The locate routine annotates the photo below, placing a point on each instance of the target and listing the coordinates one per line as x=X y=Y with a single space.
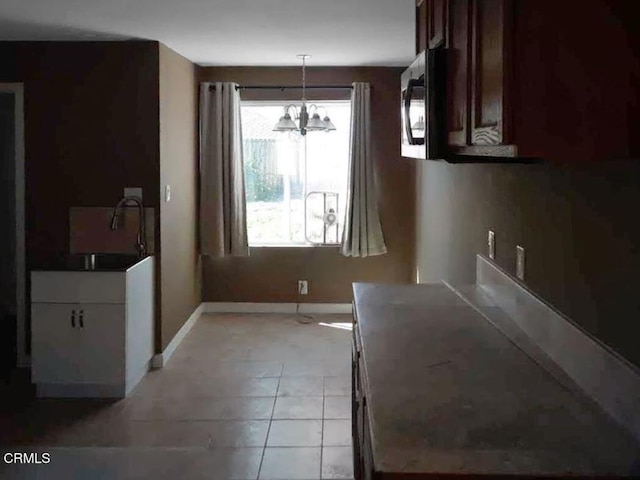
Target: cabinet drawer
x=78 y=287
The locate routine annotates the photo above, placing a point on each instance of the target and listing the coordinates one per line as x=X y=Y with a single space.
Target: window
x=293 y=183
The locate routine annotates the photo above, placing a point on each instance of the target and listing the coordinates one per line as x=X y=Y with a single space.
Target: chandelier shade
x=328 y=124
x=315 y=123
x=285 y=124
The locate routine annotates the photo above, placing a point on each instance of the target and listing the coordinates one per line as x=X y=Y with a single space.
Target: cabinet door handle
x=81 y=318
x=73 y=319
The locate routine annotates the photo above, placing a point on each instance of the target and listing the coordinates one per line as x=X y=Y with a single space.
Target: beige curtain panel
x=223 y=226
x=362 y=235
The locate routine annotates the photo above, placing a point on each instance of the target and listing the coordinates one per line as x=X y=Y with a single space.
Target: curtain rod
x=289 y=87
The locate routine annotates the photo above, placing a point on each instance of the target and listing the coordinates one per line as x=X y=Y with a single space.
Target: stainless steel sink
x=100 y=262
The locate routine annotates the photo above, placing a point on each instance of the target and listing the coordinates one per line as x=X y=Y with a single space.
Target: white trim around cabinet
x=249 y=307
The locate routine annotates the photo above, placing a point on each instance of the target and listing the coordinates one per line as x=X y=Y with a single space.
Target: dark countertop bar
x=103 y=262
x=448 y=393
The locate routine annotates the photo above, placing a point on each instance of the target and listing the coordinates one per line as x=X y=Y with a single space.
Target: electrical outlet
x=491 y=241
x=303 y=287
x=520 y=262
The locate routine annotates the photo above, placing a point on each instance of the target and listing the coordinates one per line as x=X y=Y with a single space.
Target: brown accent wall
x=180 y=261
x=91 y=128
x=579 y=227
x=271 y=274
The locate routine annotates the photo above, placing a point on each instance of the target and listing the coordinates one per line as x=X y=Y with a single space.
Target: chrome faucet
x=141 y=245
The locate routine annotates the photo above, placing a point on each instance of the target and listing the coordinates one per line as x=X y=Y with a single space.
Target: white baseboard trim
x=159 y=360
x=248 y=307
x=333 y=308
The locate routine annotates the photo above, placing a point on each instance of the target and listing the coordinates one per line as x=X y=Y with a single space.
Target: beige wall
x=179 y=263
x=578 y=225
x=271 y=274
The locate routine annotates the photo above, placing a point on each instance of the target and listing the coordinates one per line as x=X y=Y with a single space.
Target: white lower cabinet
x=103 y=340
x=88 y=348
x=78 y=342
x=54 y=343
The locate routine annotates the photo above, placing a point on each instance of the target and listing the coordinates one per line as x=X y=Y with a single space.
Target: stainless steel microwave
x=423 y=106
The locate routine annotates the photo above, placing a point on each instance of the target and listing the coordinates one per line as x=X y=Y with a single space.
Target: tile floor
x=243 y=397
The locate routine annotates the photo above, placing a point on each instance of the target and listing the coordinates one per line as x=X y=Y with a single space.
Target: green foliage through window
x=262 y=182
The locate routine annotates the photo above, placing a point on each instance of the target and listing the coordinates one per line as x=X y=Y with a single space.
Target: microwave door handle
x=407 y=105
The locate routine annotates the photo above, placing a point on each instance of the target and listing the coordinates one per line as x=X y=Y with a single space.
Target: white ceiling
x=230 y=32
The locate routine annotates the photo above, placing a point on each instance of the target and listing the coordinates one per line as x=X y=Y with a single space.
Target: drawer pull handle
x=81 y=318
x=73 y=319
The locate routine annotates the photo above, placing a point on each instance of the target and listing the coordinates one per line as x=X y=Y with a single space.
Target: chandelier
x=302 y=122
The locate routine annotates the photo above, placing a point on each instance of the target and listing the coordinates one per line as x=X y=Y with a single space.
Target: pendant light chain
x=304 y=95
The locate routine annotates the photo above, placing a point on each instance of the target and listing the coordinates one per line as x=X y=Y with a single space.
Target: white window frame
x=282 y=104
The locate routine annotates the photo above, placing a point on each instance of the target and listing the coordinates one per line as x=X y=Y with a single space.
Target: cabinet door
x=421 y=25
x=102 y=345
x=436 y=22
x=491 y=22
x=360 y=428
x=368 y=472
x=54 y=343
x=355 y=412
x=458 y=72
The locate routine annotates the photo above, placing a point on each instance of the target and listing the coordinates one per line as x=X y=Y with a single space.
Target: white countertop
x=447 y=392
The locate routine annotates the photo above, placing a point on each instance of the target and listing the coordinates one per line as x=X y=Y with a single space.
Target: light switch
x=167 y=193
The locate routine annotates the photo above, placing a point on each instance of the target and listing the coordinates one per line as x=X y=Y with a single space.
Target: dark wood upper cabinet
x=459 y=94
x=489 y=72
x=576 y=85
x=437 y=22
x=478 y=35
x=421 y=25
x=527 y=79
x=431 y=24
x=484 y=27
